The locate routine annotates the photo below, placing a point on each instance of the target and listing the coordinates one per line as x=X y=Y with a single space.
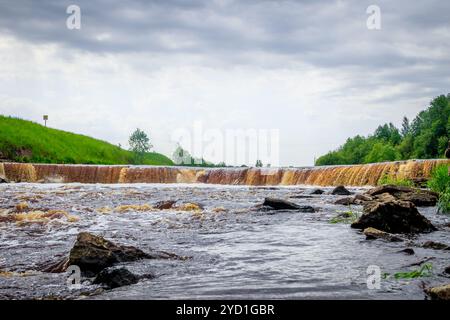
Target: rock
x=4 y=180
x=384 y=197
x=280 y=204
x=93 y=253
x=340 y=190
x=317 y=191
x=447 y=270
x=440 y=292
x=419 y=197
x=408 y=251
x=345 y=201
x=164 y=205
x=372 y=233
x=362 y=198
x=393 y=217
x=114 y=278
x=435 y=245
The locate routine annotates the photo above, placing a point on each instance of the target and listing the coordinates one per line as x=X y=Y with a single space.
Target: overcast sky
x=310 y=69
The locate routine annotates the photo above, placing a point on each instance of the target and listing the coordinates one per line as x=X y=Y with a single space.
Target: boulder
x=419 y=197
x=93 y=253
x=440 y=292
x=114 y=278
x=357 y=199
x=345 y=201
x=372 y=233
x=317 y=191
x=393 y=216
x=447 y=270
x=280 y=204
x=341 y=190
x=3 y=180
x=435 y=245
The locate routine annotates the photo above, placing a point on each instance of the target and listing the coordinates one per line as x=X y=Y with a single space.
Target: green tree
x=406 y=127
x=382 y=152
x=139 y=144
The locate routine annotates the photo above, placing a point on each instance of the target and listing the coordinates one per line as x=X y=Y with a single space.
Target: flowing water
x=236 y=251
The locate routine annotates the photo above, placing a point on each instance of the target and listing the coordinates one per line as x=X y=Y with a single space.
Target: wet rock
x=93 y=253
x=440 y=292
x=280 y=204
x=164 y=205
x=3 y=180
x=114 y=278
x=435 y=245
x=393 y=217
x=317 y=191
x=447 y=270
x=372 y=233
x=419 y=197
x=408 y=251
x=341 y=190
x=345 y=201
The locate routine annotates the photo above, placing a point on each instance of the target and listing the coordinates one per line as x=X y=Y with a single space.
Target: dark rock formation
x=114 y=278
x=408 y=251
x=419 y=197
x=372 y=233
x=317 y=191
x=393 y=216
x=280 y=204
x=447 y=270
x=341 y=190
x=93 y=253
x=3 y=180
x=435 y=245
x=164 y=205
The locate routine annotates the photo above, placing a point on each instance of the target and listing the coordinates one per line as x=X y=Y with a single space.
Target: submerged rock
x=341 y=190
x=93 y=253
x=440 y=292
x=280 y=204
x=447 y=270
x=419 y=197
x=408 y=251
x=317 y=191
x=372 y=233
x=164 y=205
x=393 y=216
x=435 y=245
x=114 y=278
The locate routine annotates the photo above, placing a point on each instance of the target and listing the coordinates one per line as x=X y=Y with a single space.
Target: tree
x=406 y=127
x=139 y=144
x=258 y=163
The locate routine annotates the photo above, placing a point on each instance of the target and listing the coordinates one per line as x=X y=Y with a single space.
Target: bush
x=440 y=180
x=386 y=179
x=444 y=202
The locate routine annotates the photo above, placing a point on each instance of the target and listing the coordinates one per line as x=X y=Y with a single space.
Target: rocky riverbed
x=230 y=242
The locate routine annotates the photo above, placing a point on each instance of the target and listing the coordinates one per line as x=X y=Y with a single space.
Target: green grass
x=440 y=183
x=348 y=216
x=424 y=271
x=386 y=179
x=26 y=141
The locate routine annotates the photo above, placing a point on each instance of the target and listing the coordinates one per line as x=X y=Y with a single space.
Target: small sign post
x=45 y=117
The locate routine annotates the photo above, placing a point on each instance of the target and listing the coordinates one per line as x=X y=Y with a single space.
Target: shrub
x=386 y=179
x=440 y=179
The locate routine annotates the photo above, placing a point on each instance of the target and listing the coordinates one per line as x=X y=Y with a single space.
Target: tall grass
x=440 y=182
x=26 y=141
x=386 y=179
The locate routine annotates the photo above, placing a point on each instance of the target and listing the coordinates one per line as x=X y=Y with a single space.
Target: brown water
x=349 y=175
x=237 y=252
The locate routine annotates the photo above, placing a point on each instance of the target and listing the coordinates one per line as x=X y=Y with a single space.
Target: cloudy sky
x=310 y=69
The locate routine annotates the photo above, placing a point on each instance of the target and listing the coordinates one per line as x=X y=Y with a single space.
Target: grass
x=440 y=183
x=26 y=141
x=424 y=271
x=386 y=179
x=348 y=216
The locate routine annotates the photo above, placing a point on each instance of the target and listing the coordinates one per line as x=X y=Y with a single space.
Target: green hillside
x=426 y=137
x=26 y=141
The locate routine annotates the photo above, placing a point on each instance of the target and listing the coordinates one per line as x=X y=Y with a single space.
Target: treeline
x=425 y=137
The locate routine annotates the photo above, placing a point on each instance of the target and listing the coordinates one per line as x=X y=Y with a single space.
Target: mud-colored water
x=236 y=252
x=349 y=175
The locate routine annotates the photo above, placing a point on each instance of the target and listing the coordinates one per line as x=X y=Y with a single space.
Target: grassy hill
x=26 y=141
